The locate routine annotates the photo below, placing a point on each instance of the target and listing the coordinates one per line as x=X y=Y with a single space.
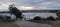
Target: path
x=30 y=24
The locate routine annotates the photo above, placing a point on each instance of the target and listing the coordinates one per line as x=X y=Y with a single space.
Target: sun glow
x=26 y=8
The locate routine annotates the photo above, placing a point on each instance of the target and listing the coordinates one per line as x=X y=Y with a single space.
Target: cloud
x=25 y=8
x=42 y=5
x=36 y=4
x=4 y=6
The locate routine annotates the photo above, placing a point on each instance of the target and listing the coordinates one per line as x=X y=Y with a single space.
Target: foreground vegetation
x=55 y=22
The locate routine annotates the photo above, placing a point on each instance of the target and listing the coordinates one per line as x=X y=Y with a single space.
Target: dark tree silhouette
x=1 y=17
x=50 y=18
x=15 y=11
x=58 y=14
x=37 y=18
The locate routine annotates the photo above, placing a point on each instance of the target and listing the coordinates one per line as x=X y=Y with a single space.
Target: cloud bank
x=31 y=4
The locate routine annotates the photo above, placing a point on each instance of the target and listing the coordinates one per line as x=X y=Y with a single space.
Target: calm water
x=32 y=15
x=43 y=15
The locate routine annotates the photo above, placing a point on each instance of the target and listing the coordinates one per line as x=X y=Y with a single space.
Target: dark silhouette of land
x=24 y=11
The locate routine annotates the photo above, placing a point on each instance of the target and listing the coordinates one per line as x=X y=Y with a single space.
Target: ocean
x=32 y=15
x=42 y=15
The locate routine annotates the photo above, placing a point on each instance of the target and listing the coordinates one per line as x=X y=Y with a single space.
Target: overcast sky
x=31 y=4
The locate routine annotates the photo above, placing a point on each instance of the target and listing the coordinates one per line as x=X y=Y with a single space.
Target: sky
x=31 y=4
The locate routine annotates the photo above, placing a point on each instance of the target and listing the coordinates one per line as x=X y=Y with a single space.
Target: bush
x=50 y=18
x=37 y=18
x=57 y=18
x=1 y=17
x=43 y=18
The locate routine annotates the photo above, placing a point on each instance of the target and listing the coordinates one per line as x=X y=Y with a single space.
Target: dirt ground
x=25 y=23
x=22 y=23
x=7 y=24
x=52 y=23
x=55 y=23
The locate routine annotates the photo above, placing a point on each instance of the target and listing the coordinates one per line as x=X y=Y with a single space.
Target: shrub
x=50 y=18
x=44 y=18
x=1 y=17
x=37 y=18
x=58 y=18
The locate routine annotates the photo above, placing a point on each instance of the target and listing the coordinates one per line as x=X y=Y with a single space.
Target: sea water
x=42 y=15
